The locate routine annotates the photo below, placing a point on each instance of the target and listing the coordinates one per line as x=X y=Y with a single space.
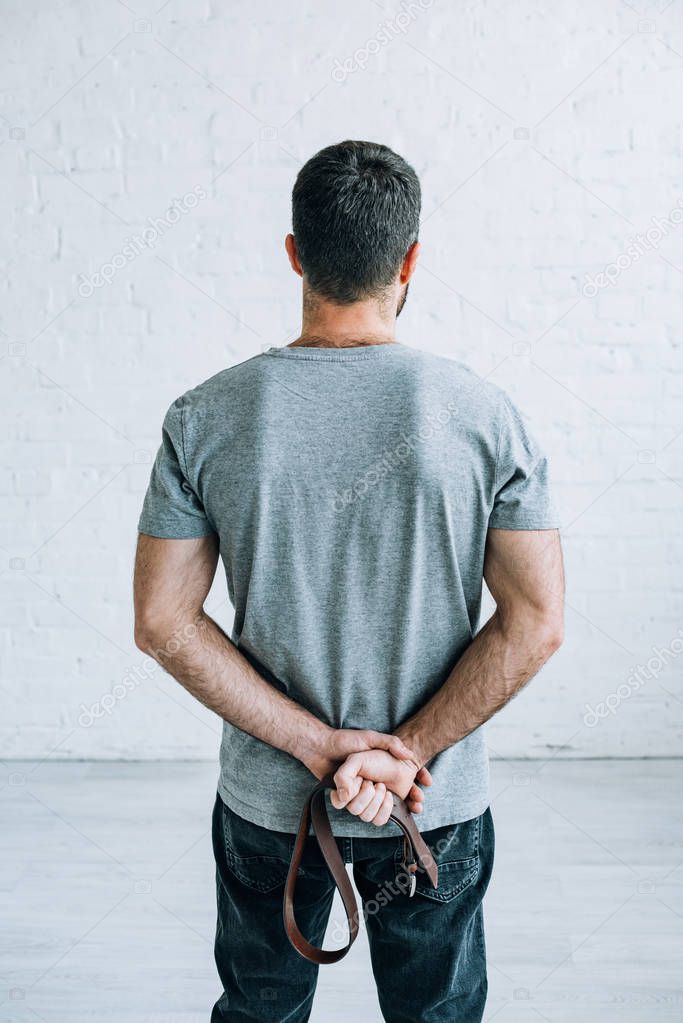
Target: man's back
x=358 y=492
x=351 y=490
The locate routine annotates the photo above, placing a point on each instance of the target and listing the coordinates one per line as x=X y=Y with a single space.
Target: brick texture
x=147 y=158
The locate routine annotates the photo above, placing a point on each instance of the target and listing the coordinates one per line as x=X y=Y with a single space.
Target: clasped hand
x=365 y=783
x=375 y=766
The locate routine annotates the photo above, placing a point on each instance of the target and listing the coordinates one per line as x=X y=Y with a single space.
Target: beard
x=402 y=301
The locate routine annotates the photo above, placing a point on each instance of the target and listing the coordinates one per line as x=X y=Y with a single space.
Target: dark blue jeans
x=428 y=954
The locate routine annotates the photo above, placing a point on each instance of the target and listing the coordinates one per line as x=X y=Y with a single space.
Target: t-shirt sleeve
x=522 y=498
x=172 y=509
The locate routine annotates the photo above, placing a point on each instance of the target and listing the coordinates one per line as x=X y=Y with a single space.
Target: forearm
x=499 y=662
x=200 y=656
x=172 y=581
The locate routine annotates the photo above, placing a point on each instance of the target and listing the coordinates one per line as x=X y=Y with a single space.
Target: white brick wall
x=546 y=136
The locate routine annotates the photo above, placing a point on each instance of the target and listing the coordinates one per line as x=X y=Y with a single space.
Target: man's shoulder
x=233 y=389
x=232 y=383
x=460 y=380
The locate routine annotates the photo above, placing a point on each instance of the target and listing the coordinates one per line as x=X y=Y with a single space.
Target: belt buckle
x=410 y=868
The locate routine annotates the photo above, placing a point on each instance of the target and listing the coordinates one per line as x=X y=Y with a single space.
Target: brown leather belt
x=416 y=853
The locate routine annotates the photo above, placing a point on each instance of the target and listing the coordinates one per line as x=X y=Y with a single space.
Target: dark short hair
x=355 y=214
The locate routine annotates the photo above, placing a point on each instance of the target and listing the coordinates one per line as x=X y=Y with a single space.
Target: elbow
x=551 y=634
x=161 y=635
x=151 y=634
x=144 y=637
x=538 y=631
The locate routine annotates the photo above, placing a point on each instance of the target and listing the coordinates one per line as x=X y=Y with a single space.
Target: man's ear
x=409 y=263
x=290 y=246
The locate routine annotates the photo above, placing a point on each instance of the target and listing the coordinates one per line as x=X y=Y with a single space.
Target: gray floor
x=106 y=879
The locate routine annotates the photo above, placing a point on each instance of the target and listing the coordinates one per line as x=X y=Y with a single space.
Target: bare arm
x=523 y=570
x=172 y=580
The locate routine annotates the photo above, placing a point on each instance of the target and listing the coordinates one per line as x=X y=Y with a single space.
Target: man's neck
x=327 y=325
x=343 y=341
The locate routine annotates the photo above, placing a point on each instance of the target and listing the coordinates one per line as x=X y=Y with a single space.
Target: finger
x=351 y=789
x=339 y=797
x=399 y=749
x=373 y=806
x=384 y=812
x=416 y=795
x=347 y=781
x=415 y=807
x=391 y=743
x=362 y=800
x=423 y=777
x=336 y=801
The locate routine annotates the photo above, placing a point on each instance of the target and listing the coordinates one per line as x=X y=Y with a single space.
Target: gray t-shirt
x=351 y=491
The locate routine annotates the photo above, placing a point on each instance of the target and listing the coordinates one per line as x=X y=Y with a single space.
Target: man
x=358 y=492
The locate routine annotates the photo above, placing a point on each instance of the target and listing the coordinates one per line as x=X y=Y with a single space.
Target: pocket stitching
x=471 y=865
x=239 y=864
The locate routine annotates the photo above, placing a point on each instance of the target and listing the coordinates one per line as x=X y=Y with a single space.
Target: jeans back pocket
x=257 y=857
x=455 y=849
x=455 y=876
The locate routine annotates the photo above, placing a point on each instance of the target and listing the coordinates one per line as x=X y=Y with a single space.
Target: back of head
x=355 y=212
